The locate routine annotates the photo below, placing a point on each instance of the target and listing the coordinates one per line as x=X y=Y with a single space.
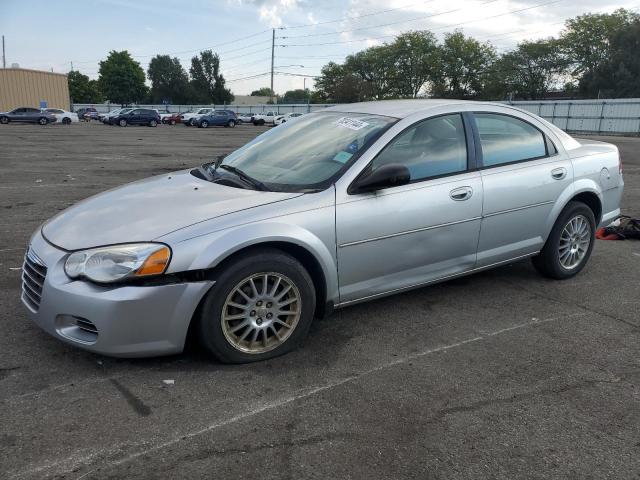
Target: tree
x=263 y=92
x=296 y=96
x=338 y=84
x=464 y=70
x=121 y=78
x=528 y=72
x=169 y=81
x=587 y=42
x=207 y=80
x=83 y=90
x=416 y=58
x=375 y=68
x=618 y=75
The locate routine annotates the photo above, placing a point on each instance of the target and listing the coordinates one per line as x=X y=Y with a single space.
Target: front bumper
x=121 y=321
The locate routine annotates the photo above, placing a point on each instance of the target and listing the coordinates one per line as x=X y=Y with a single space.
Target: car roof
x=402 y=108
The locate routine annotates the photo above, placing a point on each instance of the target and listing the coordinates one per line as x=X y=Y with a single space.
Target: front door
x=412 y=234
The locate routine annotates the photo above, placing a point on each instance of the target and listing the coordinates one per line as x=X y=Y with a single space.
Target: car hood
x=149 y=208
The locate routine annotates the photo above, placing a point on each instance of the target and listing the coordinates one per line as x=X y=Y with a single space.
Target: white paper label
x=352 y=123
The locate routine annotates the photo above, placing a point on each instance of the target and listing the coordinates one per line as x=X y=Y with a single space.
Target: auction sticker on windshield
x=352 y=123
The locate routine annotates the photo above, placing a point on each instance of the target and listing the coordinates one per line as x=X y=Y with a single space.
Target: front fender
x=579 y=186
x=213 y=248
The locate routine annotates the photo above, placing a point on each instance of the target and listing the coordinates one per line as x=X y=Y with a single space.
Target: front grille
x=33 y=273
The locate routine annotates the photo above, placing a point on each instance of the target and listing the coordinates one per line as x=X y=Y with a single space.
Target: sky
x=51 y=34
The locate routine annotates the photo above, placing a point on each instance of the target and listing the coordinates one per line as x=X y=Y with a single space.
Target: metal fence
x=612 y=116
x=283 y=108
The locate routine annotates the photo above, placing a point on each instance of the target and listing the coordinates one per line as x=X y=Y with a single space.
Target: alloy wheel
x=575 y=239
x=261 y=312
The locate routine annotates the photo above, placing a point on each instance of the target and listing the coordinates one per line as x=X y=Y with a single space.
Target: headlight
x=119 y=262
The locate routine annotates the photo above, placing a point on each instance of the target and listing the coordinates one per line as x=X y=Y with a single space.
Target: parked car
x=244 y=253
x=62 y=116
x=108 y=118
x=88 y=114
x=265 y=117
x=245 y=117
x=137 y=116
x=220 y=118
x=173 y=119
x=280 y=119
x=27 y=115
x=188 y=118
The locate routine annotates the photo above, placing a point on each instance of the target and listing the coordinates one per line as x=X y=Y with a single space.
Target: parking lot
x=503 y=374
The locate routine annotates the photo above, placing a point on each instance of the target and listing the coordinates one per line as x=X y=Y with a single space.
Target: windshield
x=308 y=152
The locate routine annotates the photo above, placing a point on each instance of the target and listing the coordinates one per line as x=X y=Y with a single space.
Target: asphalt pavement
x=502 y=374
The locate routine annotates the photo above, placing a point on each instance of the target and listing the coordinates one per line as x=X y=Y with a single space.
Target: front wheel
x=231 y=124
x=66 y=121
x=570 y=243
x=204 y=124
x=122 y=123
x=260 y=307
x=4 y=120
x=153 y=123
x=43 y=121
x=172 y=122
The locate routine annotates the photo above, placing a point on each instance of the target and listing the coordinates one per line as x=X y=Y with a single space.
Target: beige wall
x=26 y=88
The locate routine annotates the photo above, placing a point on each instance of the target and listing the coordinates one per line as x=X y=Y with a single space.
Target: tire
x=66 y=121
x=261 y=122
x=217 y=336
x=43 y=121
x=566 y=251
x=4 y=120
x=204 y=124
x=122 y=122
x=255 y=124
x=231 y=124
x=153 y=123
x=172 y=122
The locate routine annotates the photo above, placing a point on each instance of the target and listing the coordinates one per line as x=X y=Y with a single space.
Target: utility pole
x=4 y=61
x=72 y=66
x=273 y=45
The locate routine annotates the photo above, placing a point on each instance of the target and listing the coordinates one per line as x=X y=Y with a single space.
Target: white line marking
x=74 y=462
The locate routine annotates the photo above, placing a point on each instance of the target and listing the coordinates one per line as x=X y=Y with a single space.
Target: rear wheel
x=204 y=124
x=231 y=124
x=122 y=122
x=172 y=122
x=260 y=307
x=153 y=123
x=66 y=120
x=4 y=120
x=43 y=121
x=570 y=243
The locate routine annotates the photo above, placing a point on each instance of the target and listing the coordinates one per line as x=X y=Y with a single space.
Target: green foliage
x=618 y=75
x=464 y=68
x=416 y=61
x=295 y=96
x=169 y=81
x=263 y=92
x=528 y=72
x=121 y=78
x=83 y=90
x=207 y=81
x=338 y=84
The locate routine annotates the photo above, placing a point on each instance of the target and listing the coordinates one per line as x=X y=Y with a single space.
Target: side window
x=506 y=139
x=433 y=147
x=135 y=112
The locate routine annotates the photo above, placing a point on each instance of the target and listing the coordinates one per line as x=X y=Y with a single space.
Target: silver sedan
x=341 y=206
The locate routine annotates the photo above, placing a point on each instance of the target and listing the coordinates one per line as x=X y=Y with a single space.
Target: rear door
x=523 y=175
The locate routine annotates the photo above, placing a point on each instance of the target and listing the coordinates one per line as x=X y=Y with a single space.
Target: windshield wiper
x=257 y=184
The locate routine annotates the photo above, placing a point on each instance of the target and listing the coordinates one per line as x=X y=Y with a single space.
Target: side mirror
x=391 y=175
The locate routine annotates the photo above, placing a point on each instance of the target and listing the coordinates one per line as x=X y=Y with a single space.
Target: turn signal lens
x=155 y=264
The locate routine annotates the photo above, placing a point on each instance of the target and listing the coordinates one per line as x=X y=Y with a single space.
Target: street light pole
x=273 y=45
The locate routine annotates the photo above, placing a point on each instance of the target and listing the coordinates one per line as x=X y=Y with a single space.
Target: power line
x=437 y=28
x=423 y=17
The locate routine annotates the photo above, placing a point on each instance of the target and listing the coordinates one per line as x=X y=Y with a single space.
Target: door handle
x=559 y=173
x=462 y=193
